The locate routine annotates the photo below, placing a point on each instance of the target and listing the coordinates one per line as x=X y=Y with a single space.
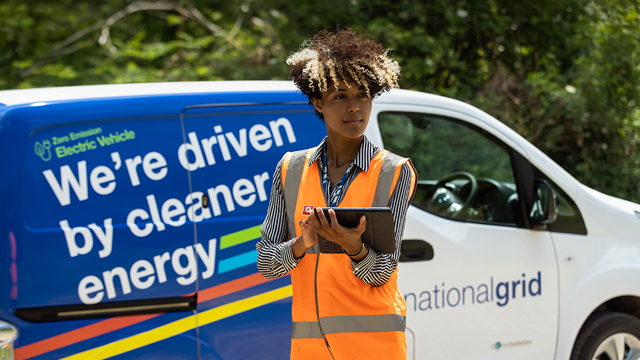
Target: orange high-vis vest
x=335 y=314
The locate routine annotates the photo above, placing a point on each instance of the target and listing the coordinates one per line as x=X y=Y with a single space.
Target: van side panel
x=92 y=192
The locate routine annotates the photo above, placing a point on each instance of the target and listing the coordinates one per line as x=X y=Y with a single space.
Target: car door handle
x=415 y=250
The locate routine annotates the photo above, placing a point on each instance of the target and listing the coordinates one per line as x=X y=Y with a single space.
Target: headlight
x=8 y=334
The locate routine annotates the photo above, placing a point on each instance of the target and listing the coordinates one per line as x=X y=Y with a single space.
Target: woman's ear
x=317 y=103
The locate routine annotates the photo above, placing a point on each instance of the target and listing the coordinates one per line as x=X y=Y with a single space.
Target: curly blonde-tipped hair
x=329 y=58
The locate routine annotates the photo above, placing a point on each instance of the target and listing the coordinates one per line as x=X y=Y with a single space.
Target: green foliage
x=564 y=74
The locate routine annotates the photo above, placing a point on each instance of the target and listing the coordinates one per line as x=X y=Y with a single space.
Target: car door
x=231 y=151
x=477 y=282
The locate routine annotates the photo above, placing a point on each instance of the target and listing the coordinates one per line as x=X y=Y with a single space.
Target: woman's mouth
x=353 y=122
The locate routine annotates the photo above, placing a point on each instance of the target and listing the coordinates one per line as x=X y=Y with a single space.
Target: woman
x=346 y=305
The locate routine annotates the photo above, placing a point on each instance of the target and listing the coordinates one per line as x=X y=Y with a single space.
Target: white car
x=482 y=278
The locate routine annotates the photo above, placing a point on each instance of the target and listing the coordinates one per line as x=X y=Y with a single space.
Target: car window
x=464 y=172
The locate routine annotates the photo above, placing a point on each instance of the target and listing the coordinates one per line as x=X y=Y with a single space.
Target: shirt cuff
x=289 y=262
x=363 y=268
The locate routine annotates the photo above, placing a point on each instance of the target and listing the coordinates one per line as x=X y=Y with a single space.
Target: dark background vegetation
x=565 y=74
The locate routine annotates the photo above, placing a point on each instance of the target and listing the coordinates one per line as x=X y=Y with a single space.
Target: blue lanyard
x=325 y=180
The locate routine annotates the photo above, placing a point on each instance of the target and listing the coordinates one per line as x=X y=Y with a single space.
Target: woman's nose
x=353 y=105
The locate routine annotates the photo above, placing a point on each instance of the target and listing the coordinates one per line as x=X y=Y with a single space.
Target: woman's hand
x=348 y=238
x=309 y=237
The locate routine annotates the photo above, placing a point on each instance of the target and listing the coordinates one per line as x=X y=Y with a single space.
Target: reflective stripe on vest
x=293 y=164
x=386 y=184
x=343 y=324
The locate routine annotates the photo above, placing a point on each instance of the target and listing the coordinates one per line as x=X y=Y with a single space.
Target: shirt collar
x=365 y=154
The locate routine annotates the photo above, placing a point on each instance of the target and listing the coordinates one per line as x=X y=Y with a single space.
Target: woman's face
x=346 y=110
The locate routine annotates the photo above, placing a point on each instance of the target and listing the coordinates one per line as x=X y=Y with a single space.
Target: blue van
x=130 y=213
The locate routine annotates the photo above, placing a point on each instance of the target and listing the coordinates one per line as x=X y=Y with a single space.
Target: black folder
x=378 y=235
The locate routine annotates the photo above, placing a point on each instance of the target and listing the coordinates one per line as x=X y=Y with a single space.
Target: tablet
x=378 y=235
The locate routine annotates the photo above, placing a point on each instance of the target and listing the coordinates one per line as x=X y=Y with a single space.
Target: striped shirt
x=275 y=257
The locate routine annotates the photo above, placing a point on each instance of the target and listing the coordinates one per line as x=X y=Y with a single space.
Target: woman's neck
x=341 y=151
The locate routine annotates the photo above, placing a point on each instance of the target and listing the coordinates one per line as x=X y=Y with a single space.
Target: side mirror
x=543 y=210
